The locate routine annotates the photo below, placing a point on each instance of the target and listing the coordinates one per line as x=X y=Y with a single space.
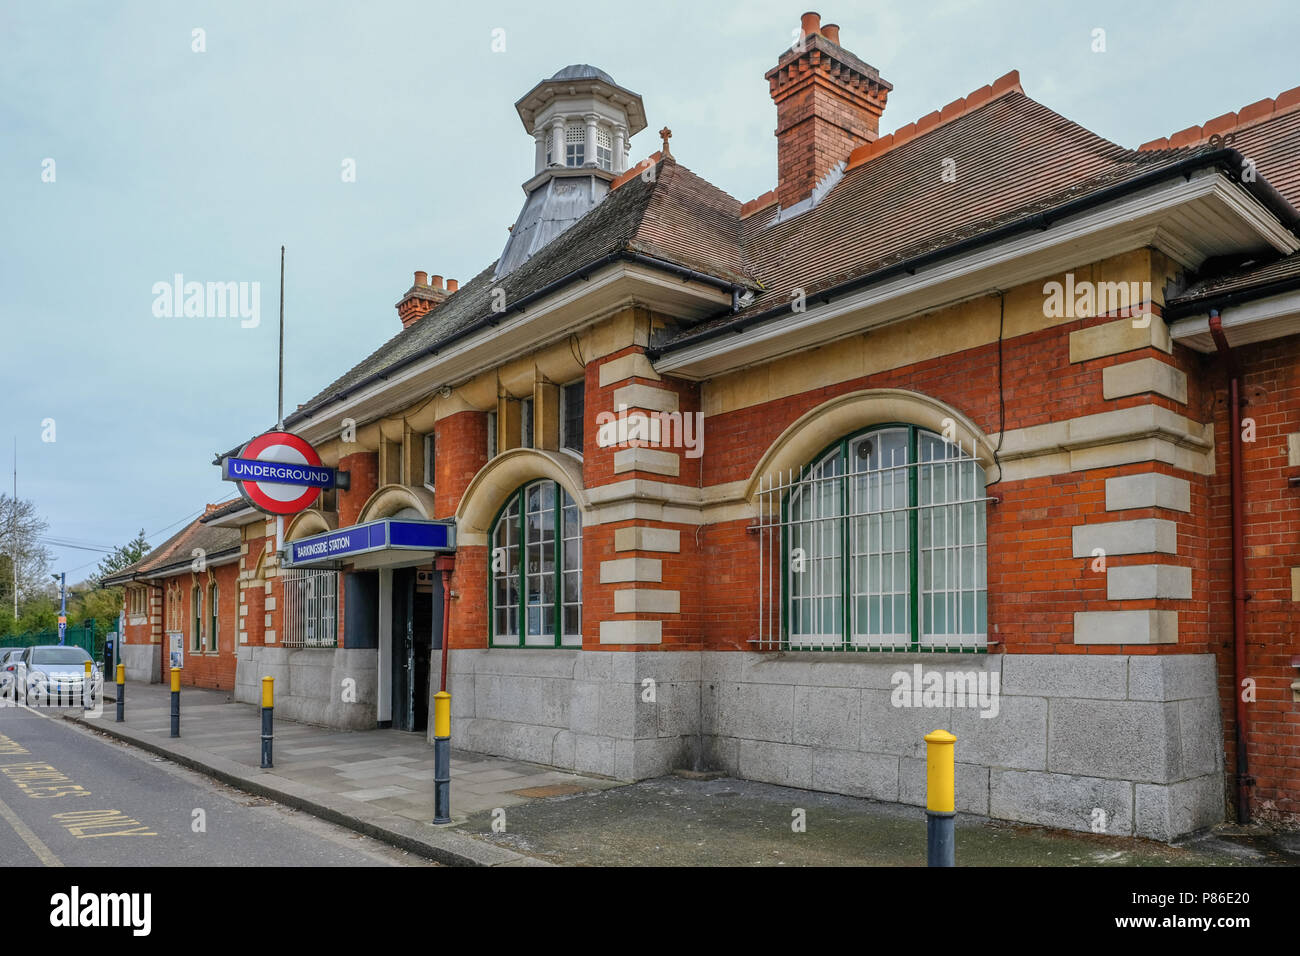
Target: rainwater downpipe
x=1239 y=595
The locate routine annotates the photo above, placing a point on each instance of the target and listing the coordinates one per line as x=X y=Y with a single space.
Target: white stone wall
x=309 y=683
x=143 y=662
x=1125 y=745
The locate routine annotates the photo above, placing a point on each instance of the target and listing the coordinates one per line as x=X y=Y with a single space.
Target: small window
x=604 y=148
x=429 y=460
x=571 y=412
x=526 y=423
x=213 y=637
x=575 y=142
x=491 y=435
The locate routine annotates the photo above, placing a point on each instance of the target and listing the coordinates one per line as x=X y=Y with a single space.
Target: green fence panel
x=83 y=637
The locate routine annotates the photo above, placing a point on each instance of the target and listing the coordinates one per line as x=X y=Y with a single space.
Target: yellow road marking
x=77 y=822
x=43 y=852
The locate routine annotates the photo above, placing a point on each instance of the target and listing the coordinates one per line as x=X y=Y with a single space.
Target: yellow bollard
x=121 y=692
x=176 y=702
x=86 y=689
x=442 y=714
x=940 y=775
x=442 y=757
x=268 y=727
x=940 y=798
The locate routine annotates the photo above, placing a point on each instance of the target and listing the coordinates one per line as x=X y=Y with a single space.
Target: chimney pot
x=421 y=278
x=452 y=285
x=436 y=282
x=828 y=103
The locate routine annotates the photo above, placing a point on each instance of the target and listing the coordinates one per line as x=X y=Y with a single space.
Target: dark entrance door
x=413 y=643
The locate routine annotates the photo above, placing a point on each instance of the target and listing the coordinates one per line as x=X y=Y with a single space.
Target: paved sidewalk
x=379 y=783
x=381 y=778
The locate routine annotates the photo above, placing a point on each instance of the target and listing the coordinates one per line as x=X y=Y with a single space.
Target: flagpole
x=279 y=408
x=279 y=413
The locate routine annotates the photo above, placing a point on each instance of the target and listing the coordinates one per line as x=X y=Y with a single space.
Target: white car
x=55 y=676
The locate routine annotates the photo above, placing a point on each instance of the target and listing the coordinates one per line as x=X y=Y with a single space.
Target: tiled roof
x=1267 y=132
x=1010 y=155
x=1272 y=276
x=673 y=214
x=178 y=550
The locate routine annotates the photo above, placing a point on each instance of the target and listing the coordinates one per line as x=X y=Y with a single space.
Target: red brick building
x=183 y=594
x=939 y=432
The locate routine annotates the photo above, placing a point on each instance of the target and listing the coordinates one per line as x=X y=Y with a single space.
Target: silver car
x=55 y=676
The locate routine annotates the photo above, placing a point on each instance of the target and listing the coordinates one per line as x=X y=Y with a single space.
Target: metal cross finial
x=666 y=134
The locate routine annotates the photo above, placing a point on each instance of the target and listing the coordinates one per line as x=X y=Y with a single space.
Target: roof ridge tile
x=1007 y=83
x=1252 y=114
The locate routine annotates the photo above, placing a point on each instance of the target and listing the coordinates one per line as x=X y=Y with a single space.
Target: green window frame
x=213 y=618
x=196 y=618
x=535 y=569
x=907 y=508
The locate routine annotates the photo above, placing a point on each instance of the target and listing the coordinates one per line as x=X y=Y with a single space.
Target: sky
x=128 y=156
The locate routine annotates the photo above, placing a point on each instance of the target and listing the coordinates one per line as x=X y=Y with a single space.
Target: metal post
x=176 y=702
x=86 y=687
x=940 y=787
x=268 y=732
x=442 y=757
x=121 y=693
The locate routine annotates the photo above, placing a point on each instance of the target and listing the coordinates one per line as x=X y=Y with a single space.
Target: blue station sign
x=277 y=472
x=386 y=534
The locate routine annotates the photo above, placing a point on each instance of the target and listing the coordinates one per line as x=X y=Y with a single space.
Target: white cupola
x=581 y=122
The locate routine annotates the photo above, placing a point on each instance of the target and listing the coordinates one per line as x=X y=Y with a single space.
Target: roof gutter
x=1229 y=160
x=215 y=559
x=1217 y=303
x=519 y=305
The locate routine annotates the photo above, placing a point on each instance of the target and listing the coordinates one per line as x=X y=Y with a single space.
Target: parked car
x=55 y=675
x=11 y=677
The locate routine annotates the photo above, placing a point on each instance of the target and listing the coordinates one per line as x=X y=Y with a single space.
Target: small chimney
x=828 y=102
x=452 y=285
x=421 y=299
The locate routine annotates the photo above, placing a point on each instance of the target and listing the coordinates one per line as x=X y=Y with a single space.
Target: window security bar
x=310 y=608
x=915 y=578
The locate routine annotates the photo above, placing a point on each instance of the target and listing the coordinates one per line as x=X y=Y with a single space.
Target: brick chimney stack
x=828 y=102
x=423 y=297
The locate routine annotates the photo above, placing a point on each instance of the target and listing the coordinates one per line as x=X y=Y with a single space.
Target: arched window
x=196 y=618
x=213 y=633
x=884 y=545
x=535 y=573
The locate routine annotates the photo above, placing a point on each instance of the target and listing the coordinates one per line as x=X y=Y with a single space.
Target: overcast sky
x=167 y=161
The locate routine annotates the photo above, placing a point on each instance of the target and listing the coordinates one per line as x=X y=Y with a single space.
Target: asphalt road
x=69 y=797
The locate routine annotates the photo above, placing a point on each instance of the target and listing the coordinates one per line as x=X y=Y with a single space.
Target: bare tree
x=21 y=528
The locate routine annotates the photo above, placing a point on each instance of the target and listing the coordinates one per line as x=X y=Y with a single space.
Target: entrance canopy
x=384 y=543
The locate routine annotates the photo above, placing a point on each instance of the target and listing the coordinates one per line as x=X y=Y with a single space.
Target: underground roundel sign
x=278 y=473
